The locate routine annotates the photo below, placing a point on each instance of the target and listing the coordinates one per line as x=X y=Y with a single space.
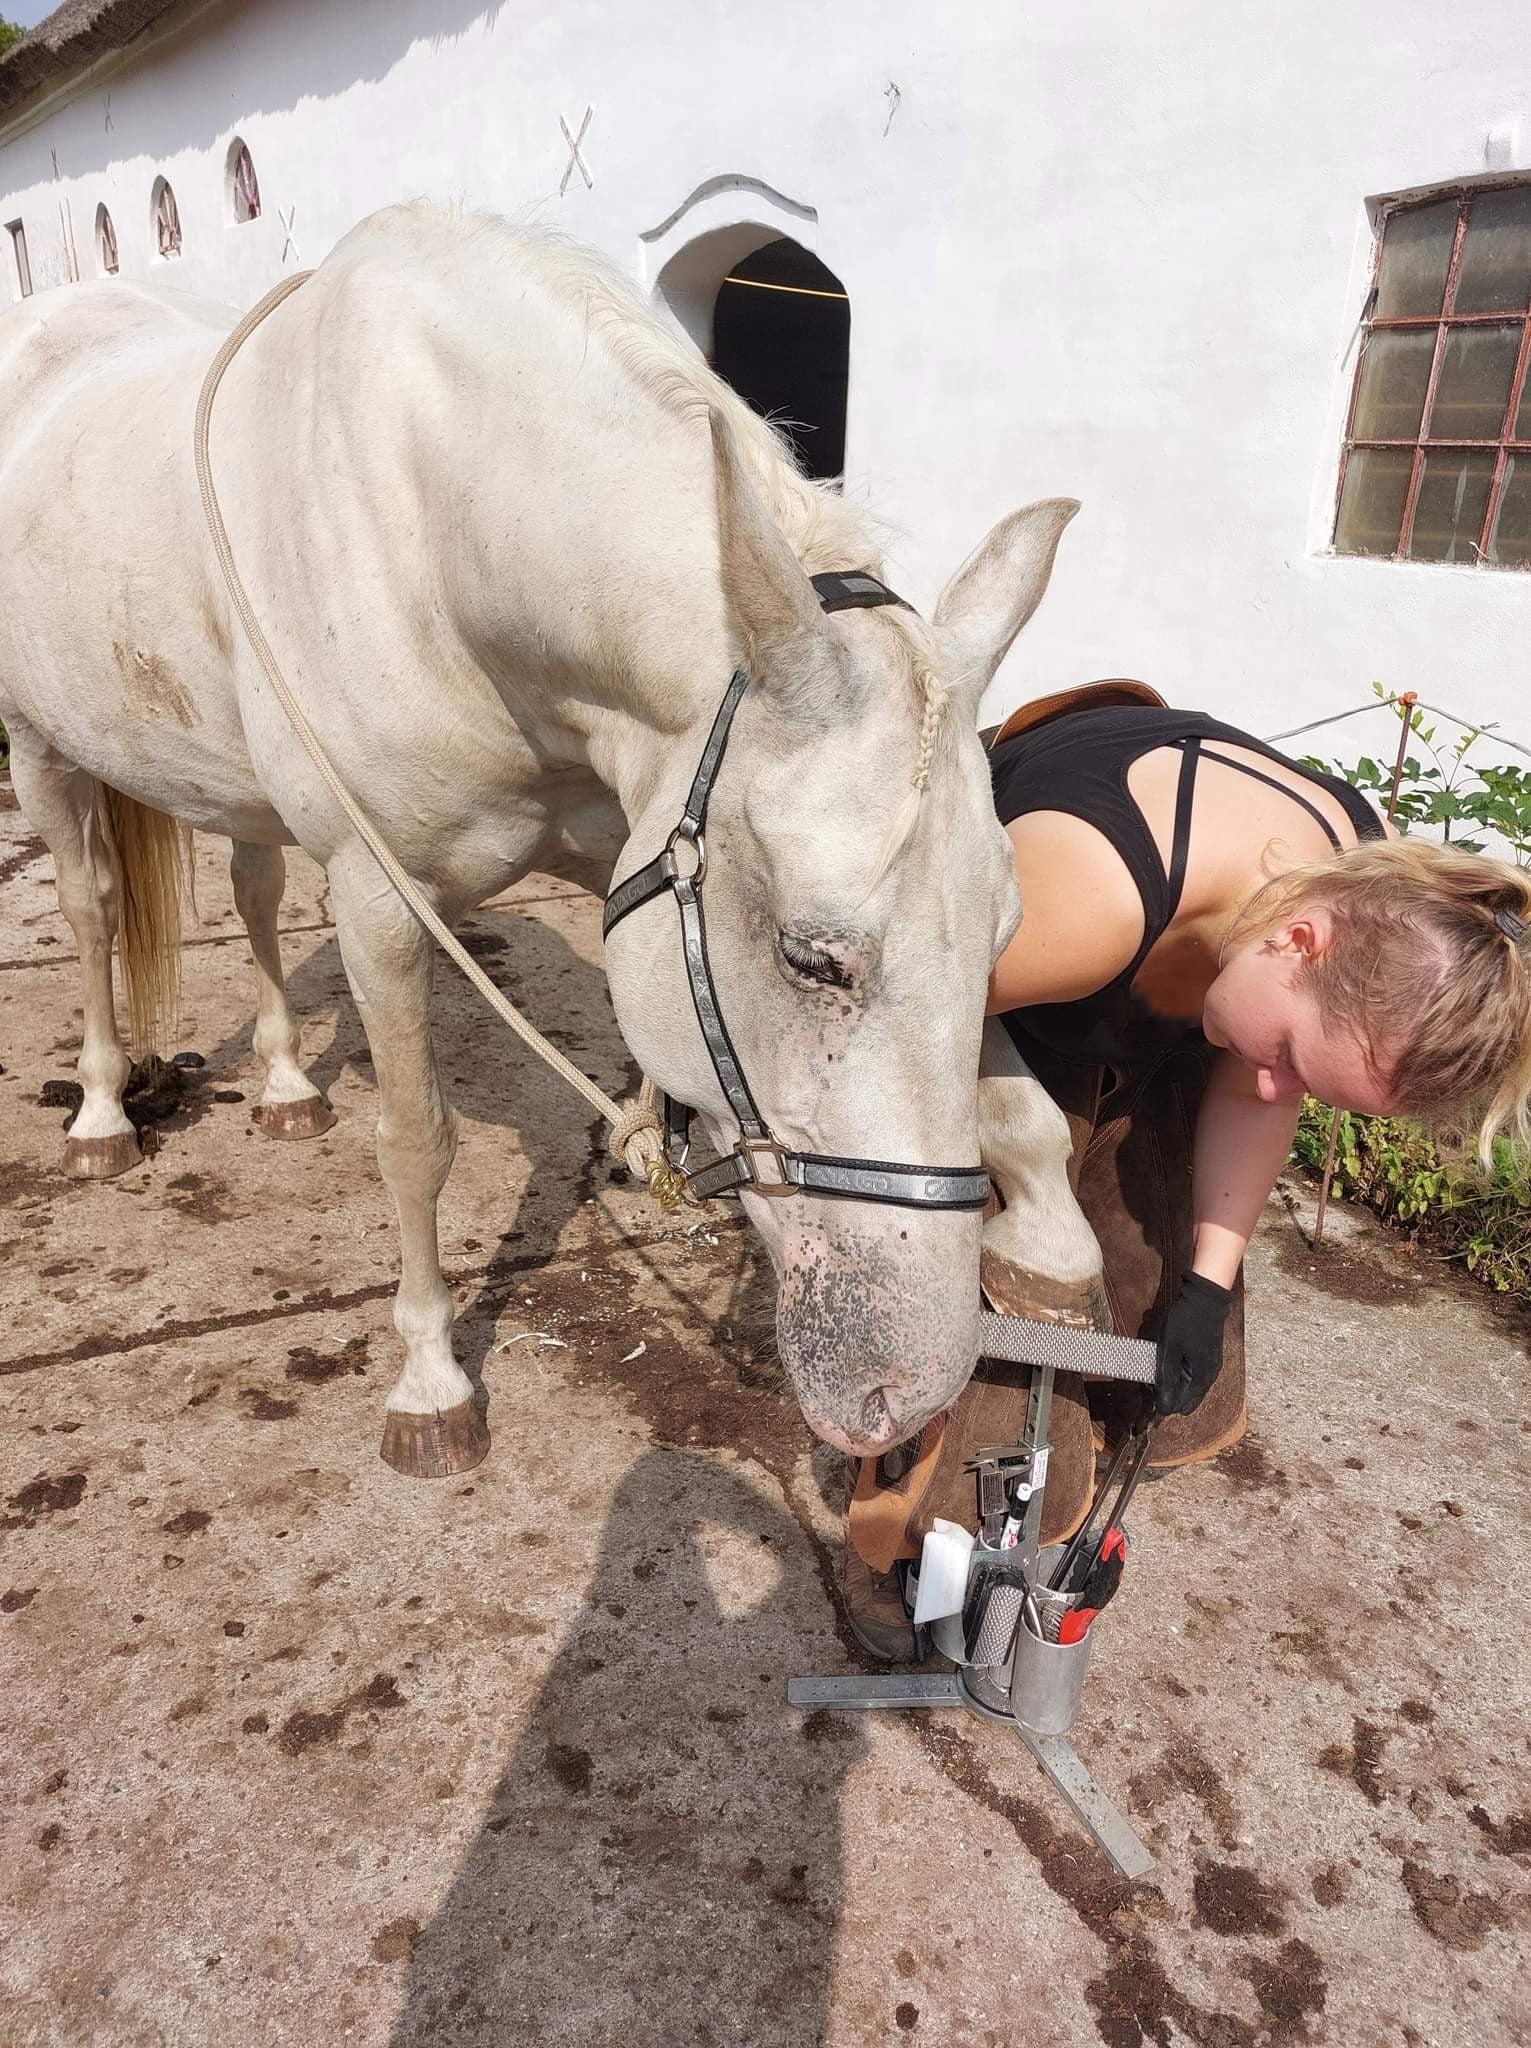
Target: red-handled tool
x=1105 y=1575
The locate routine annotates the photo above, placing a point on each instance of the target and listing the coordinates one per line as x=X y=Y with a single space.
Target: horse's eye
x=807 y=962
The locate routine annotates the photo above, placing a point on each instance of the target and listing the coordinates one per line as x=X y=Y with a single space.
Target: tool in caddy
x=1018 y=1624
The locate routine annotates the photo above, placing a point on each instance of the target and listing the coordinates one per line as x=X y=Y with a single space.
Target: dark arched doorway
x=781 y=336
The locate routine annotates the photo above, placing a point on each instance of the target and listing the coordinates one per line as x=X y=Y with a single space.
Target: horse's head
x=858 y=888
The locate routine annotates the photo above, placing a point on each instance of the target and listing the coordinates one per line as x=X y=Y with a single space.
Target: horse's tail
x=151 y=856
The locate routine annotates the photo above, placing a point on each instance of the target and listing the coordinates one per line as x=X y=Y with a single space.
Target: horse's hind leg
x=63 y=804
x=432 y=1427
x=290 y=1105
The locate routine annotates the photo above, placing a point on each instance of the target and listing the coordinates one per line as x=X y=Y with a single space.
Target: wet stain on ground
x=1360 y=1759
x=1134 y=2001
x=1311 y=1644
x=1183 y=1769
x=1248 y=1465
x=1510 y=1836
x=30 y=849
x=395 y=1942
x=203 y=1198
x=1231 y=1900
x=314 y=1368
x=572 y=1767
x=315 y=1728
x=47 y=1494
x=1291 y=1989
x=1344 y=1275
x=1458 y=1917
x=263 y=1407
x=190 y=1522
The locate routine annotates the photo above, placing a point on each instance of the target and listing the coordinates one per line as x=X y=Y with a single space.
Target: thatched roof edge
x=71 y=37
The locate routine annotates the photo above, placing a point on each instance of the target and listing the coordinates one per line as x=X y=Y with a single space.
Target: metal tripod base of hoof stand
x=998 y=1692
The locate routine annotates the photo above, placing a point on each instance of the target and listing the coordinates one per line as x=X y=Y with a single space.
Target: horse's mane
x=824 y=529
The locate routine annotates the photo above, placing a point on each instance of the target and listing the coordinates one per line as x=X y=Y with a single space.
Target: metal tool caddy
x=1011 y=1667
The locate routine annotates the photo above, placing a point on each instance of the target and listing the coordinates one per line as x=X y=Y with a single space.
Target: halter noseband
x=759 y=1160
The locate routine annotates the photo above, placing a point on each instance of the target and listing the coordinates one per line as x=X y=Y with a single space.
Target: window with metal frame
x=18 y=235
x=244 y=189
x=106 y=242
x=167 y=220
x=1437 y=459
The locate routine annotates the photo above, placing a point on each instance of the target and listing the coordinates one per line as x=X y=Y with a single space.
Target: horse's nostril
x=876 y=1415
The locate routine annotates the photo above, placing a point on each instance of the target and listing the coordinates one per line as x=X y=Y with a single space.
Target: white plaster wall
x=1115 y=250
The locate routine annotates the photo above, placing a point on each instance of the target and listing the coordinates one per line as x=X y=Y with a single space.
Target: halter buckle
x=686 y=834
x=752 y=1151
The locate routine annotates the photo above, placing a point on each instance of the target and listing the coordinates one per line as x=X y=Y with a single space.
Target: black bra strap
x=1180 y=845
x=1286 y=789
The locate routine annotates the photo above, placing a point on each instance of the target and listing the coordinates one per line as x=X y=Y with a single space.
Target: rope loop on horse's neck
x=636 y=1128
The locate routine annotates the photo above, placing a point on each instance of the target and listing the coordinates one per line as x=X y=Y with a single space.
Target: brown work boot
x=887 y=1490
x=874 y=1607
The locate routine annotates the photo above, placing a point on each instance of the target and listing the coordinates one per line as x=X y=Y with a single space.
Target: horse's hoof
x=308 y=1117
x=435 y=1446
x=1014 y=1290
x=101 y=1158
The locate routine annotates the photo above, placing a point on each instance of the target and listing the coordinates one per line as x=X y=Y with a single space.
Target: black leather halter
x=759 y=1160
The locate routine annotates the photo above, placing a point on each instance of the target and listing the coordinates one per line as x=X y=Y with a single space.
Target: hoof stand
x=101 y=1158
x=437 y=1445
x=309 y=1117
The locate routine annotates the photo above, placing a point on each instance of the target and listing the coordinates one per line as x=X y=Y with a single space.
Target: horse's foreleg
x=290 y=1105
x=61 y=802
x=1040 y=1256
x=432 y=1426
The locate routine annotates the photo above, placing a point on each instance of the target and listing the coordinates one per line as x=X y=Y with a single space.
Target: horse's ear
x=768 y=592
x=996 y=591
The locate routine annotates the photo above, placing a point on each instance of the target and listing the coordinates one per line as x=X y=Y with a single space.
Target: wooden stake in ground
x=1406 y=707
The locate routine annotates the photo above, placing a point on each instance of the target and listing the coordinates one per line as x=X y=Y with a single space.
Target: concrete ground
x=299 y=1751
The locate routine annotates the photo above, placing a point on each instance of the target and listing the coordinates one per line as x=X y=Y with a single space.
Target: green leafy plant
x=1462 y=798
x=1453 y=1207
x=10 y=32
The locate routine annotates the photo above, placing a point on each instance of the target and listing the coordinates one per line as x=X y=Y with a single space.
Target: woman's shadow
x=661 y=1860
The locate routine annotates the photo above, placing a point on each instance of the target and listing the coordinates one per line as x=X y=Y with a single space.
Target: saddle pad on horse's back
x=1083 y=697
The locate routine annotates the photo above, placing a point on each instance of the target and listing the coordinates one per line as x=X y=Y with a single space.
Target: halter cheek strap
x=759 y=1160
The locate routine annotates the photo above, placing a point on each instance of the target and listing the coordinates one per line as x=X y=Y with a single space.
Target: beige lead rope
x=636 y=1128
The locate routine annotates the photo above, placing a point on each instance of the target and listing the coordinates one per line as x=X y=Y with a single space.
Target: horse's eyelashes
x=810 y=963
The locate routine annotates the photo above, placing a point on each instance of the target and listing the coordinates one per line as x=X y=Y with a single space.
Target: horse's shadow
x=660 y=1862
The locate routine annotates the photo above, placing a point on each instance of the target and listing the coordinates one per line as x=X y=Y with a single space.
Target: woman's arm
x=1241 y=1145
x=1241 y=1142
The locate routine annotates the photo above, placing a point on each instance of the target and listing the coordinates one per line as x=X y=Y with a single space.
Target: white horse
x=470 y=485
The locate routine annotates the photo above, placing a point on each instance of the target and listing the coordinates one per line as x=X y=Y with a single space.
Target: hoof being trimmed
x=308 y=1117
x=101 y=1158
x=437 y=1445
x=1014 y=1291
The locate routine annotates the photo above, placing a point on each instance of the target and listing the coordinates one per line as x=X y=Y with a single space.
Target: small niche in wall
x=243 y=185
x=18 y=235
x=166 y=221
x=106 y=243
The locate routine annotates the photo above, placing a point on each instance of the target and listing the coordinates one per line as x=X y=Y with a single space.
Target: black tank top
x=1078 y=764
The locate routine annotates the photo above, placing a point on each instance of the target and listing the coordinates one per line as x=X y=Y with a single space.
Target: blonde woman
x=1210 y=931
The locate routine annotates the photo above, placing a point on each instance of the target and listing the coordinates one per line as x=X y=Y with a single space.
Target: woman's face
x=1261 y=1011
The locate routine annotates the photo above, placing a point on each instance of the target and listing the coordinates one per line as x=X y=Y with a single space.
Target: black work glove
x=1191 y=1348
